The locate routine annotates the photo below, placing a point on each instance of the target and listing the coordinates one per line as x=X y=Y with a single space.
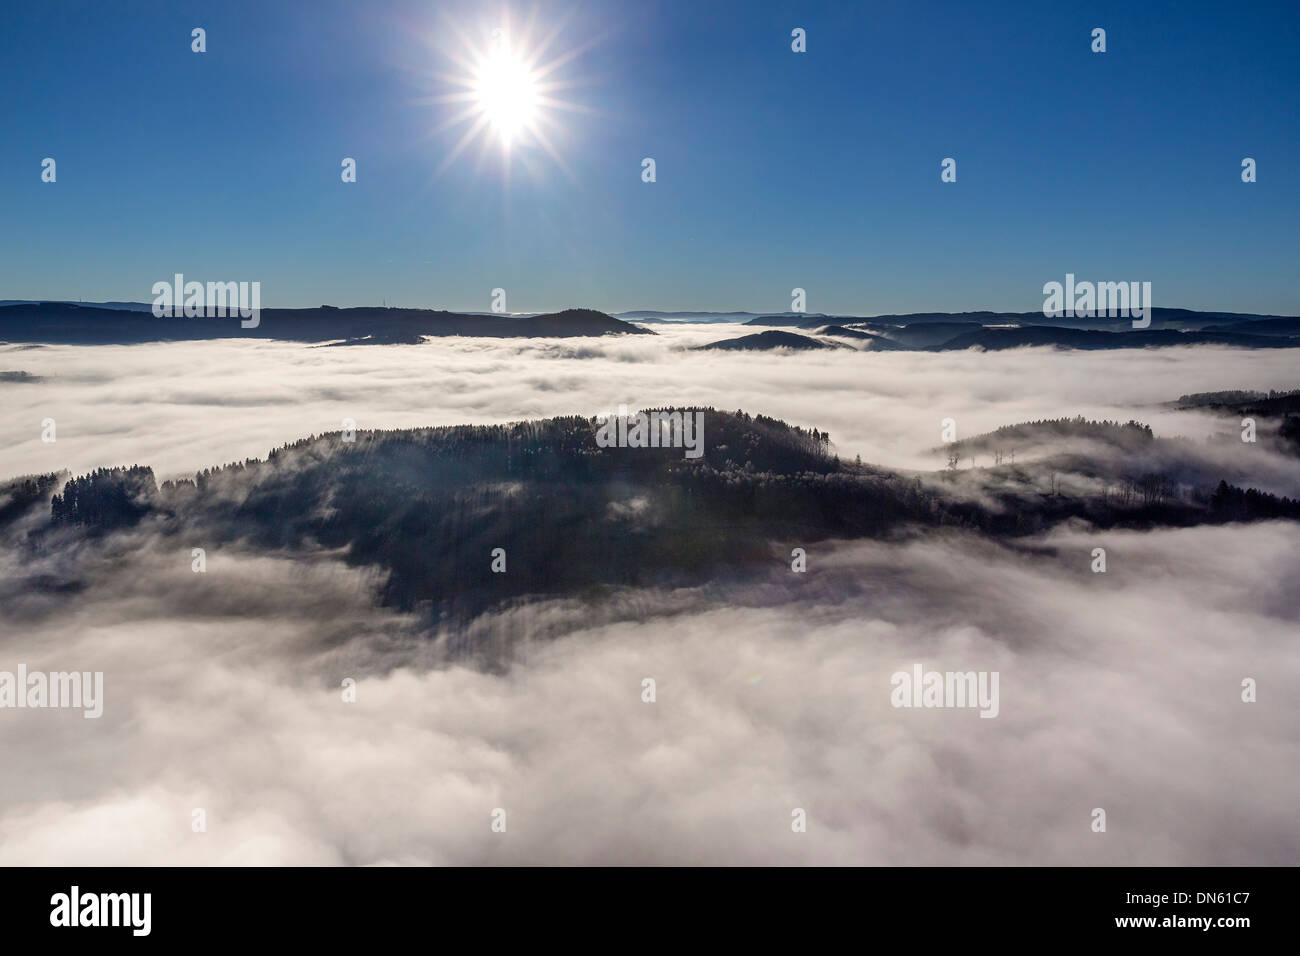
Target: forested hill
x=1130 y=436
x=429 y=506
x=71 y=324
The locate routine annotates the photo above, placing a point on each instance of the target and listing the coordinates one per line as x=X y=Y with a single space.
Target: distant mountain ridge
x=651 y=316
x=1160 y=317
x=996 y=339
x=943 y=337
x=995 y=331
x=123 y=306
x=129 y=322
x=70 y=324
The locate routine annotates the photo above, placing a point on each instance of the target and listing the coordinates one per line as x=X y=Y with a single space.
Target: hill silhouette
x=428 y=507
x=771 y=339
x=69 y=324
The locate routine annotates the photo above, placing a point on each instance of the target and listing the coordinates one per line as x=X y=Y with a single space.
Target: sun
x=506 y=92
x=508 y=86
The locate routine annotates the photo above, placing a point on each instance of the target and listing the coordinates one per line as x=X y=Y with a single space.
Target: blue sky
x=775 y=169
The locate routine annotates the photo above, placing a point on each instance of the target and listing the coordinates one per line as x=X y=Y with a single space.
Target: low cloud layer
x=1118 y=690
x=187 y=406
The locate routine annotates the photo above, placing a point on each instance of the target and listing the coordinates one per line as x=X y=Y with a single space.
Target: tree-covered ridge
x=1025 y=435
x=430 y=507
x=1237 y=398
x=1274 y=404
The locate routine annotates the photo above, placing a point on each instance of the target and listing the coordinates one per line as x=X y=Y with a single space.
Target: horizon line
x=147 y=306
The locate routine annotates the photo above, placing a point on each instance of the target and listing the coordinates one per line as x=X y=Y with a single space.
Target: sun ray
x=470 y=135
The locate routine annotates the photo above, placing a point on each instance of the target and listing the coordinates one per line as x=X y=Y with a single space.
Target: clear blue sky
x=775 y=169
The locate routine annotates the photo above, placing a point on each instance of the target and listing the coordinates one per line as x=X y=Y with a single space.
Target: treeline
x=1077 y=427
x=1233 y=397
x=1130 y=434
x=1230 y=503
x=107 y=498
x=1270 y=404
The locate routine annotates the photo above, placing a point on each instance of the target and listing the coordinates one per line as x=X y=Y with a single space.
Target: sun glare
x=509 y=90
x=506 y=91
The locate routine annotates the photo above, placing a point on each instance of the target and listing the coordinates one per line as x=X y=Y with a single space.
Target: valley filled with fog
x=182 y=407
x=1119 y=690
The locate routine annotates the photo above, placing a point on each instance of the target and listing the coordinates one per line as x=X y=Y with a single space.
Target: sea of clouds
x=180 y=407
x=1119 y=691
